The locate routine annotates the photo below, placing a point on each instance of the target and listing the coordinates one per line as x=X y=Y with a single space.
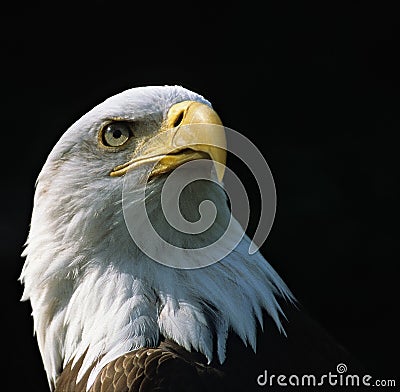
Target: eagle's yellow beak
x=192 y=130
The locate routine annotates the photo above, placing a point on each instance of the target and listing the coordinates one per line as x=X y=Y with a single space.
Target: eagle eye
x=116 y=134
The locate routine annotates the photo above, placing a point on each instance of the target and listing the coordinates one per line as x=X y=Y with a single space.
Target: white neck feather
x=101 y=296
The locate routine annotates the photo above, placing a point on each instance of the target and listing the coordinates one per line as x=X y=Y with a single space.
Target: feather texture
x=95 y=296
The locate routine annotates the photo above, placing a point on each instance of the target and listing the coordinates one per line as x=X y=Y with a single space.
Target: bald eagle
x=110 y=318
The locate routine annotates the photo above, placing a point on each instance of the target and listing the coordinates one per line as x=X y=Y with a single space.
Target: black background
x=315 y=86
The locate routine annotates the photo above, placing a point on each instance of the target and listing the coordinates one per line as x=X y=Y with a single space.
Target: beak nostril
x=178 y=119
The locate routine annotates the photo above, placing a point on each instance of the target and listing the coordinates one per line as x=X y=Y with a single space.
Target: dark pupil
x=117 y=134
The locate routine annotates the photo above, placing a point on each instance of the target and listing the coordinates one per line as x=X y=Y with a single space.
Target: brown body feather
x=165 y=368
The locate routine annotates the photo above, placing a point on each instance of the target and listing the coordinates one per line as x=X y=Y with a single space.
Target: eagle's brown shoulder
x=164 y=368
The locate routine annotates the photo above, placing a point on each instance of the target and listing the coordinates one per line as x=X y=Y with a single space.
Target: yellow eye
x=116 y=134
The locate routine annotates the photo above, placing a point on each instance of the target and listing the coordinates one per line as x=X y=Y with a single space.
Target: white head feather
x=93 y=291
